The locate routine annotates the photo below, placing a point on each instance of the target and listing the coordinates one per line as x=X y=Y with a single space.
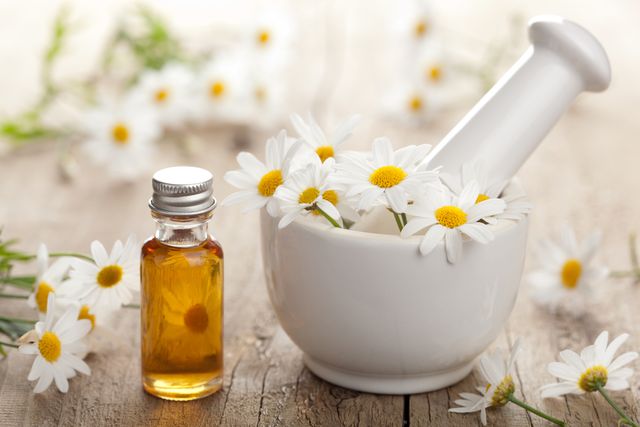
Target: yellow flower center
x=161 y=95
x=269 y=182
x=260 y=93
x=451 y=216
x=415 y=103
x=264 y=37
x=196 y=318
x=217 y=89
x=324 y=152
x=571 y=271
x=109 y=276
x=120 y=134
x=86 y=315
x=309 y=195
x=503 y=391
x=42 y=293
x=50 y=346
x=592 y=377
x=434 y=73
x=421 y=28
x=387 y=176
x=481 y=198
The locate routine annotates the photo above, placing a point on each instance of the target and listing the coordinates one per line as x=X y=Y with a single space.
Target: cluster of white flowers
x=72 y=297
x=241 y=85
x=595 y=369
x=313 y=174
x=423 y=81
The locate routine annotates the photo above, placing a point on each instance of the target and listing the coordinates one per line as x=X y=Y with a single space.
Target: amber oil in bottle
x=181 y=292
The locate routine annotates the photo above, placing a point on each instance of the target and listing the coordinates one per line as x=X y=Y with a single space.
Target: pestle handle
x=507 y=124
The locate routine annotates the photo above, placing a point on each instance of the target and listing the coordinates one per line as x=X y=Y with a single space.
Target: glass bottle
x=181 y=293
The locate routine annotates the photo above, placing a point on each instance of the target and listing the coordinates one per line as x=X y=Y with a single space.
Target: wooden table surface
x=586 y=173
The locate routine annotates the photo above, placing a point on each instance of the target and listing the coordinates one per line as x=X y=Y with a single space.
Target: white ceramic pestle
x=508 y=123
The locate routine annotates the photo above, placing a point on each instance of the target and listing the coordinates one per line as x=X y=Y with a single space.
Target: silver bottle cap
x=182 y=191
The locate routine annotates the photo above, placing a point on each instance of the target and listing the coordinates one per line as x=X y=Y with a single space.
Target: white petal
x=397 y=199
x=573 y=359
x=613 y=347
x=469 y=195
x=559 y=389
x=563 y=371
x=616 y=384
x=45 y=380
x=329 y=209
x=478 y=232
x=600 y=345
x=37 y=368
x=382 y=151
x=431 y=239
x=622 y=360
x=288 y=218
x=416 y=224
x=61 y=380
x=453 y=245
x=485 y=208
x=99 y=253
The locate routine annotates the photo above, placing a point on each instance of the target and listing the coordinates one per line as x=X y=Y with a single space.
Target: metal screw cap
x=182 y=191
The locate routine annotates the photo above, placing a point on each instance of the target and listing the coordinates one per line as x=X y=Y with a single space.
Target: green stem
x=8 y=344
x=21 y=282
x=398 y=220
x=13 y=296
x=71 y=254
x=16 y=320
x=331 y=220
x=633 y=253
x=625 y=273
x=613 y=404
x=131 y=306
x=535 y=411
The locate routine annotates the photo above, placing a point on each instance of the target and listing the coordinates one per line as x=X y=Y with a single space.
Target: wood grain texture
x=585 y=173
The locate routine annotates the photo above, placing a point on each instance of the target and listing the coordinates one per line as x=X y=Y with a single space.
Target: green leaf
x=14 y=330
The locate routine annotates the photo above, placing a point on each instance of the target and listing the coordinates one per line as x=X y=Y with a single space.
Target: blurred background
x=73 y=71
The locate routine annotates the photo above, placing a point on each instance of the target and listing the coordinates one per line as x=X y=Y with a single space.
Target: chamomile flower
x=307 y=191
x=167 y=92
x=121 y=137
x=517 y=205
x=410 y=101
x=448 y=217
x=567 y=273
x=388 y=177
x=259 y=181
x=48 y=279
x=266 y=99
x=499 y=387
x=221 y=90
x=433 y=68
x=414 y=22
x=269 y=37
x=315 y=138
x=56 y=346
x=596 y=366
x=109 y=283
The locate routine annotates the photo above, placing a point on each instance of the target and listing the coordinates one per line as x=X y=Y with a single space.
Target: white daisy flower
x=593 y=368
x=48 y=279
x=308 y=191
x=121 y=137
x=266 y=105
x=433 y=68
x=389 y=177
x=167 y=92
x=448 y=217
x=517 y=205
x=414 y=21
x=410 y=101
x=259 y=181
x=566 y=275
x=498 y=373
x=269 y=37
x=56 y=347
x=109 y=283
x=315 y=138
x=221 y=90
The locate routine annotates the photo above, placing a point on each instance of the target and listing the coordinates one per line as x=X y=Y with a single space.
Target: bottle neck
x=182 y=232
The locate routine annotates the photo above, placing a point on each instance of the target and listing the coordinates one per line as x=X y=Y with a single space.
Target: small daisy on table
x=388 y=178
x=56 y=346
x=48 y=279
x=307 y=191
x=595 y=369
x=259 y=181
x=499 y=387
x=567 y=273
x=121 y=137
x=314 y=137
x=107 y=283
x=448 y=217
